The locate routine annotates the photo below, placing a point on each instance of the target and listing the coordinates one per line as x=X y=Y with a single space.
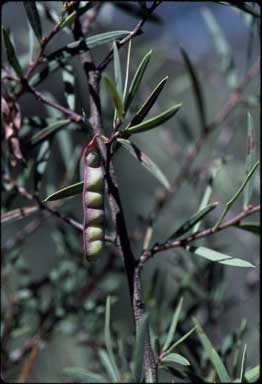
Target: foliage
x=80 y=318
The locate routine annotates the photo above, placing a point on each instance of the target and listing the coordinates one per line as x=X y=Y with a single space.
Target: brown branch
x=198 y=235
x=135 y=32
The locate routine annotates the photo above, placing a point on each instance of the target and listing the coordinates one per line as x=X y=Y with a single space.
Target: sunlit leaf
x=68 y=21
x=137 y=80
x=60 y=57
x=145 y=161
x=117 y=70
x=219 y=257
x=107 y=363
x=68 y=191
x=127 y=68
x=151 y=123
x=176 y=359
x=148 y=104
x=252 y=375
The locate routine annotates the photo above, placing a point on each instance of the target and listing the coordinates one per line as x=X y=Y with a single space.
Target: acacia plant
x=60 y=173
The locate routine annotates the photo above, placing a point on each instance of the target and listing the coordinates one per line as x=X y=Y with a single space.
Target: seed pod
x=93 y=202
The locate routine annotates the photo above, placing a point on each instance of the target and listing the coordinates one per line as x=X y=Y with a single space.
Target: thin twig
x=198 y=235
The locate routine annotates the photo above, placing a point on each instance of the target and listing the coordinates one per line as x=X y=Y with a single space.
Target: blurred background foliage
x=53 y=293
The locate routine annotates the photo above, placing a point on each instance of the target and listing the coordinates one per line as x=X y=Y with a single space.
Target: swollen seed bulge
x=95 y=233
x=95 y=179
x=95 y=217
x=94 y=199
x=93 y=159
x=93 y=249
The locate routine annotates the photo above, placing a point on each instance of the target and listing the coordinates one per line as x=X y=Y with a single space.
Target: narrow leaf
x=60 y=57
x=139 y=349
x=250 y=227
x=81 y=375
x=137 y=80
x=183 y=338
x=151 y=123
x=117 y=100
x=69 y=83
x=212 y=255
x=197 y=217
x=223 y=48
x=107 y=363
x=117 y=70
x=148 y=104
x=127 y=68
x=17 y=214
x=68 y=21
x=175 y=358
x=71 y=190
x=49 y=131
x=108 y=339
x=10 y=52
x=33 y=18
x=213 y=356
x=231 y=202
x=250 y=159
x=196 y=88
x=145 y=161
x=172 y=329
x=243 y=363
x=252 y=375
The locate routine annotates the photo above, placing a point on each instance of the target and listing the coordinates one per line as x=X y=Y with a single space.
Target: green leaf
x=183 y=338
x=243 y=363
x=107 y=363
x=213 y=356
x=250 y=227
x=151 y=123
x=175 y=358
x=117 y=70
x=223 y=48
x=68 y=191
x=252 y=375
x=81 y=375
x=108 y=340
x=231 y=202
x=188 y=224
x=33 y=17
x=145 y=161
x=117 y=100
x=68 y=21
x=212 y=255
x=10 y=52
x=139 y=349
x=148 y=104
x=49 y=131
x=127 y=68
x=59 y=58
x=137 y=80
x=136 y=12
x=17 y=214
x=172 y=329
x=196 y=88
x=250 y=159
x=69 y=84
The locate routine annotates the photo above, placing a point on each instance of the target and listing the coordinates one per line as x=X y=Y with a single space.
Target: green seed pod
x=93 y=203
